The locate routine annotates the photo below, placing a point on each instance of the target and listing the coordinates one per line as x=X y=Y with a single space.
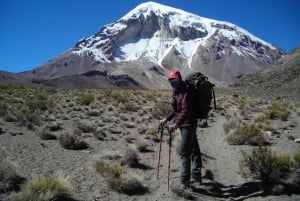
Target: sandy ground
x=34 y=156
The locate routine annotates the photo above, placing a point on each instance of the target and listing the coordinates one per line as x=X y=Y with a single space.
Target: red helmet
x=173 y=74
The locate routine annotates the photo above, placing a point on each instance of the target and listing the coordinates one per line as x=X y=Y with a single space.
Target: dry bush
x=9 y=178
x=86 y=126
x=3 y=107
x=142 y=145
x=99 y=134
x=43 y=188
x=296 y=158
x=112 y=176
x=277 y=110
x=72 y=141
x=45 y=134
x=94 y=113
x=265 y=165
x=130 y=157
x=246 y=134
x=160 y=109
x=85 y=99
x=55 y=126
x=107 y=171
x=233 y=122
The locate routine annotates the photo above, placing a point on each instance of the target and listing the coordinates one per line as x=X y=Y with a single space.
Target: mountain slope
x=282 y=79
x=156 y=35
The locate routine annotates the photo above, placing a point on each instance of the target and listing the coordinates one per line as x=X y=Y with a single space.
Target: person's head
x=174 y=78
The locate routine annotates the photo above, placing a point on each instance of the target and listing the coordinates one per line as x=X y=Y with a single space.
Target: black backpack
x=204 y=92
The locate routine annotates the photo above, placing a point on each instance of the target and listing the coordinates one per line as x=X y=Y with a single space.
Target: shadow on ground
x=239 y=192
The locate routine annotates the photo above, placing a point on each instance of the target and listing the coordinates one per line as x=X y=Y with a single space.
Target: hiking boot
x=197 y=178
x=185 y=185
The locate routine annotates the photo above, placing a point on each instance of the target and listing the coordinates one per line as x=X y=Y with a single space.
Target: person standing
x=183 y=113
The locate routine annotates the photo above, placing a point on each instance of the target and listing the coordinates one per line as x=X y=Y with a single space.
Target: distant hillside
x=281 y=80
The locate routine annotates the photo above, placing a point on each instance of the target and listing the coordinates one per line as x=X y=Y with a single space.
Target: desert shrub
x=112 y=176
x=9 y=178
x=160 y=109
x=151 y=130
x=265 y=165
x=233 y=122
x=85 y=99
x=120 y=96
x=277 y=110
x=107 y=171
x=128 y=106
x=242 y=103
x=86 y=126
x=55 y=126
x=142 y=145
x=72 y=141
x=38 y=104
x=45 y=134
x=130 y=157
x=296 y=158
x=246 y=134
x=94 y=113
x=3 y=108
x=25 y=117
x=99 y=134
x=43 y=188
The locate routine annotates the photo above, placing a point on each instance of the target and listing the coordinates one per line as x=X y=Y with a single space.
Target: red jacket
x=183 y=107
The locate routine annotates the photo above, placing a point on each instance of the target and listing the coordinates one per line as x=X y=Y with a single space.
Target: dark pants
x=190 y=154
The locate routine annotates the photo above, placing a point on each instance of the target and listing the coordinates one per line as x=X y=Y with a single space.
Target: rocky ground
x=119 y=126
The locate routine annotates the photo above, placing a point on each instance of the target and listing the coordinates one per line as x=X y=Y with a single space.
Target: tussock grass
x=160 y=109
x=265 y=165
x=296 y=158
x=9 y=178
x=43 y=188
x=85 y=98
x=86 y=126
x=131 y=157
x=112 y=176
x=72 y=141
x=45 y=134
x=277 y=111
x=233 y=122
x=246 y=134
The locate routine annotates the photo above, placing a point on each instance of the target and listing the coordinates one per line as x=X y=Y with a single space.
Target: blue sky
x=35 y=31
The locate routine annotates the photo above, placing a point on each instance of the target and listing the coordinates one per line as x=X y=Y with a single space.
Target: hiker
x=183 y=113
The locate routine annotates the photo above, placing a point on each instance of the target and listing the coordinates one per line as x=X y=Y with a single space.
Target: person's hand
x=172 y=128
x=163 y=122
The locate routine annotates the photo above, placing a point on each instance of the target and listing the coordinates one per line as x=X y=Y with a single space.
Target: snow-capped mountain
x=153 y=38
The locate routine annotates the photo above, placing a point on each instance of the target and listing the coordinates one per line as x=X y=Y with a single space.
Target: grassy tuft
x=43 y=188
x=72 y=141
x=265 y=165
x=246 y=134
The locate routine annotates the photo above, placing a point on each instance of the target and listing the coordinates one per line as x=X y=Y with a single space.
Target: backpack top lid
x=194 y=78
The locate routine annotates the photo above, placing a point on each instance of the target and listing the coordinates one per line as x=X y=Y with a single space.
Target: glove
x=163 y=122
x=172 y=128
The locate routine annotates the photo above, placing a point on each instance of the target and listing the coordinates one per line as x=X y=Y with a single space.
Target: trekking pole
x=160 y=130
x=169 y=164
